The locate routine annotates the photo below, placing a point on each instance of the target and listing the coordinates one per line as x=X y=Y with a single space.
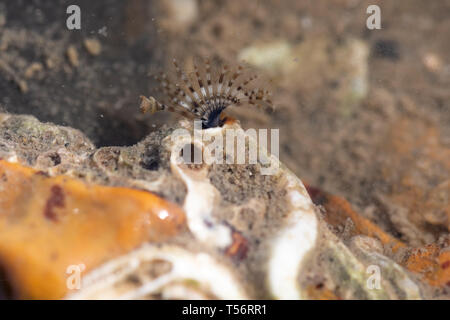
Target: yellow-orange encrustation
x=48 y=224
x=432 y=263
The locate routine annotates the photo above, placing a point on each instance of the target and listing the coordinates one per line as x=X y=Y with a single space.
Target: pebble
x=72 y=54
x=93 y=46
x=34 y=68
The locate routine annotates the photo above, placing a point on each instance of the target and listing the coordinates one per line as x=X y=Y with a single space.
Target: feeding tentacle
x=208 y=90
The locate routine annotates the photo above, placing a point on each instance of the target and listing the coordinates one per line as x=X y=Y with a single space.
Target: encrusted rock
x=144 y=224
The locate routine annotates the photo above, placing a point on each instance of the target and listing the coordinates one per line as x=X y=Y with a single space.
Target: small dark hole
x=56 y=158
x=387 y=49
x=334 y=84
x=150 y=159
x=257 y=23
x=217 y=30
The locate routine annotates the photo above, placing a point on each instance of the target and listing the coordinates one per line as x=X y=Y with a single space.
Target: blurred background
x=363 y=114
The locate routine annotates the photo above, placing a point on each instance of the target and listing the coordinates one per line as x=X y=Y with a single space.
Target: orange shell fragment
x=239 y=247
x=429 y=261
x=48 y=224
x=319 y=292
x=339 y=209
x=432 y=263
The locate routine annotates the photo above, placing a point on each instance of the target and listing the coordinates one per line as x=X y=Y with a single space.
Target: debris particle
x=103 y=31
x=22 y=86
x=34 y=68
x=270 y=56
x=182 y=12
x=432 y=62
x=72 y=54
x=93 y=46
x=50 y=63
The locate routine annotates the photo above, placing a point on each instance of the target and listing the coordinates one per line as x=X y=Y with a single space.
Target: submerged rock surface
x=145 y=225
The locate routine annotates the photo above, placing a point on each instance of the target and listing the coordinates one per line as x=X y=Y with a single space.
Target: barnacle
x=207 y=91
